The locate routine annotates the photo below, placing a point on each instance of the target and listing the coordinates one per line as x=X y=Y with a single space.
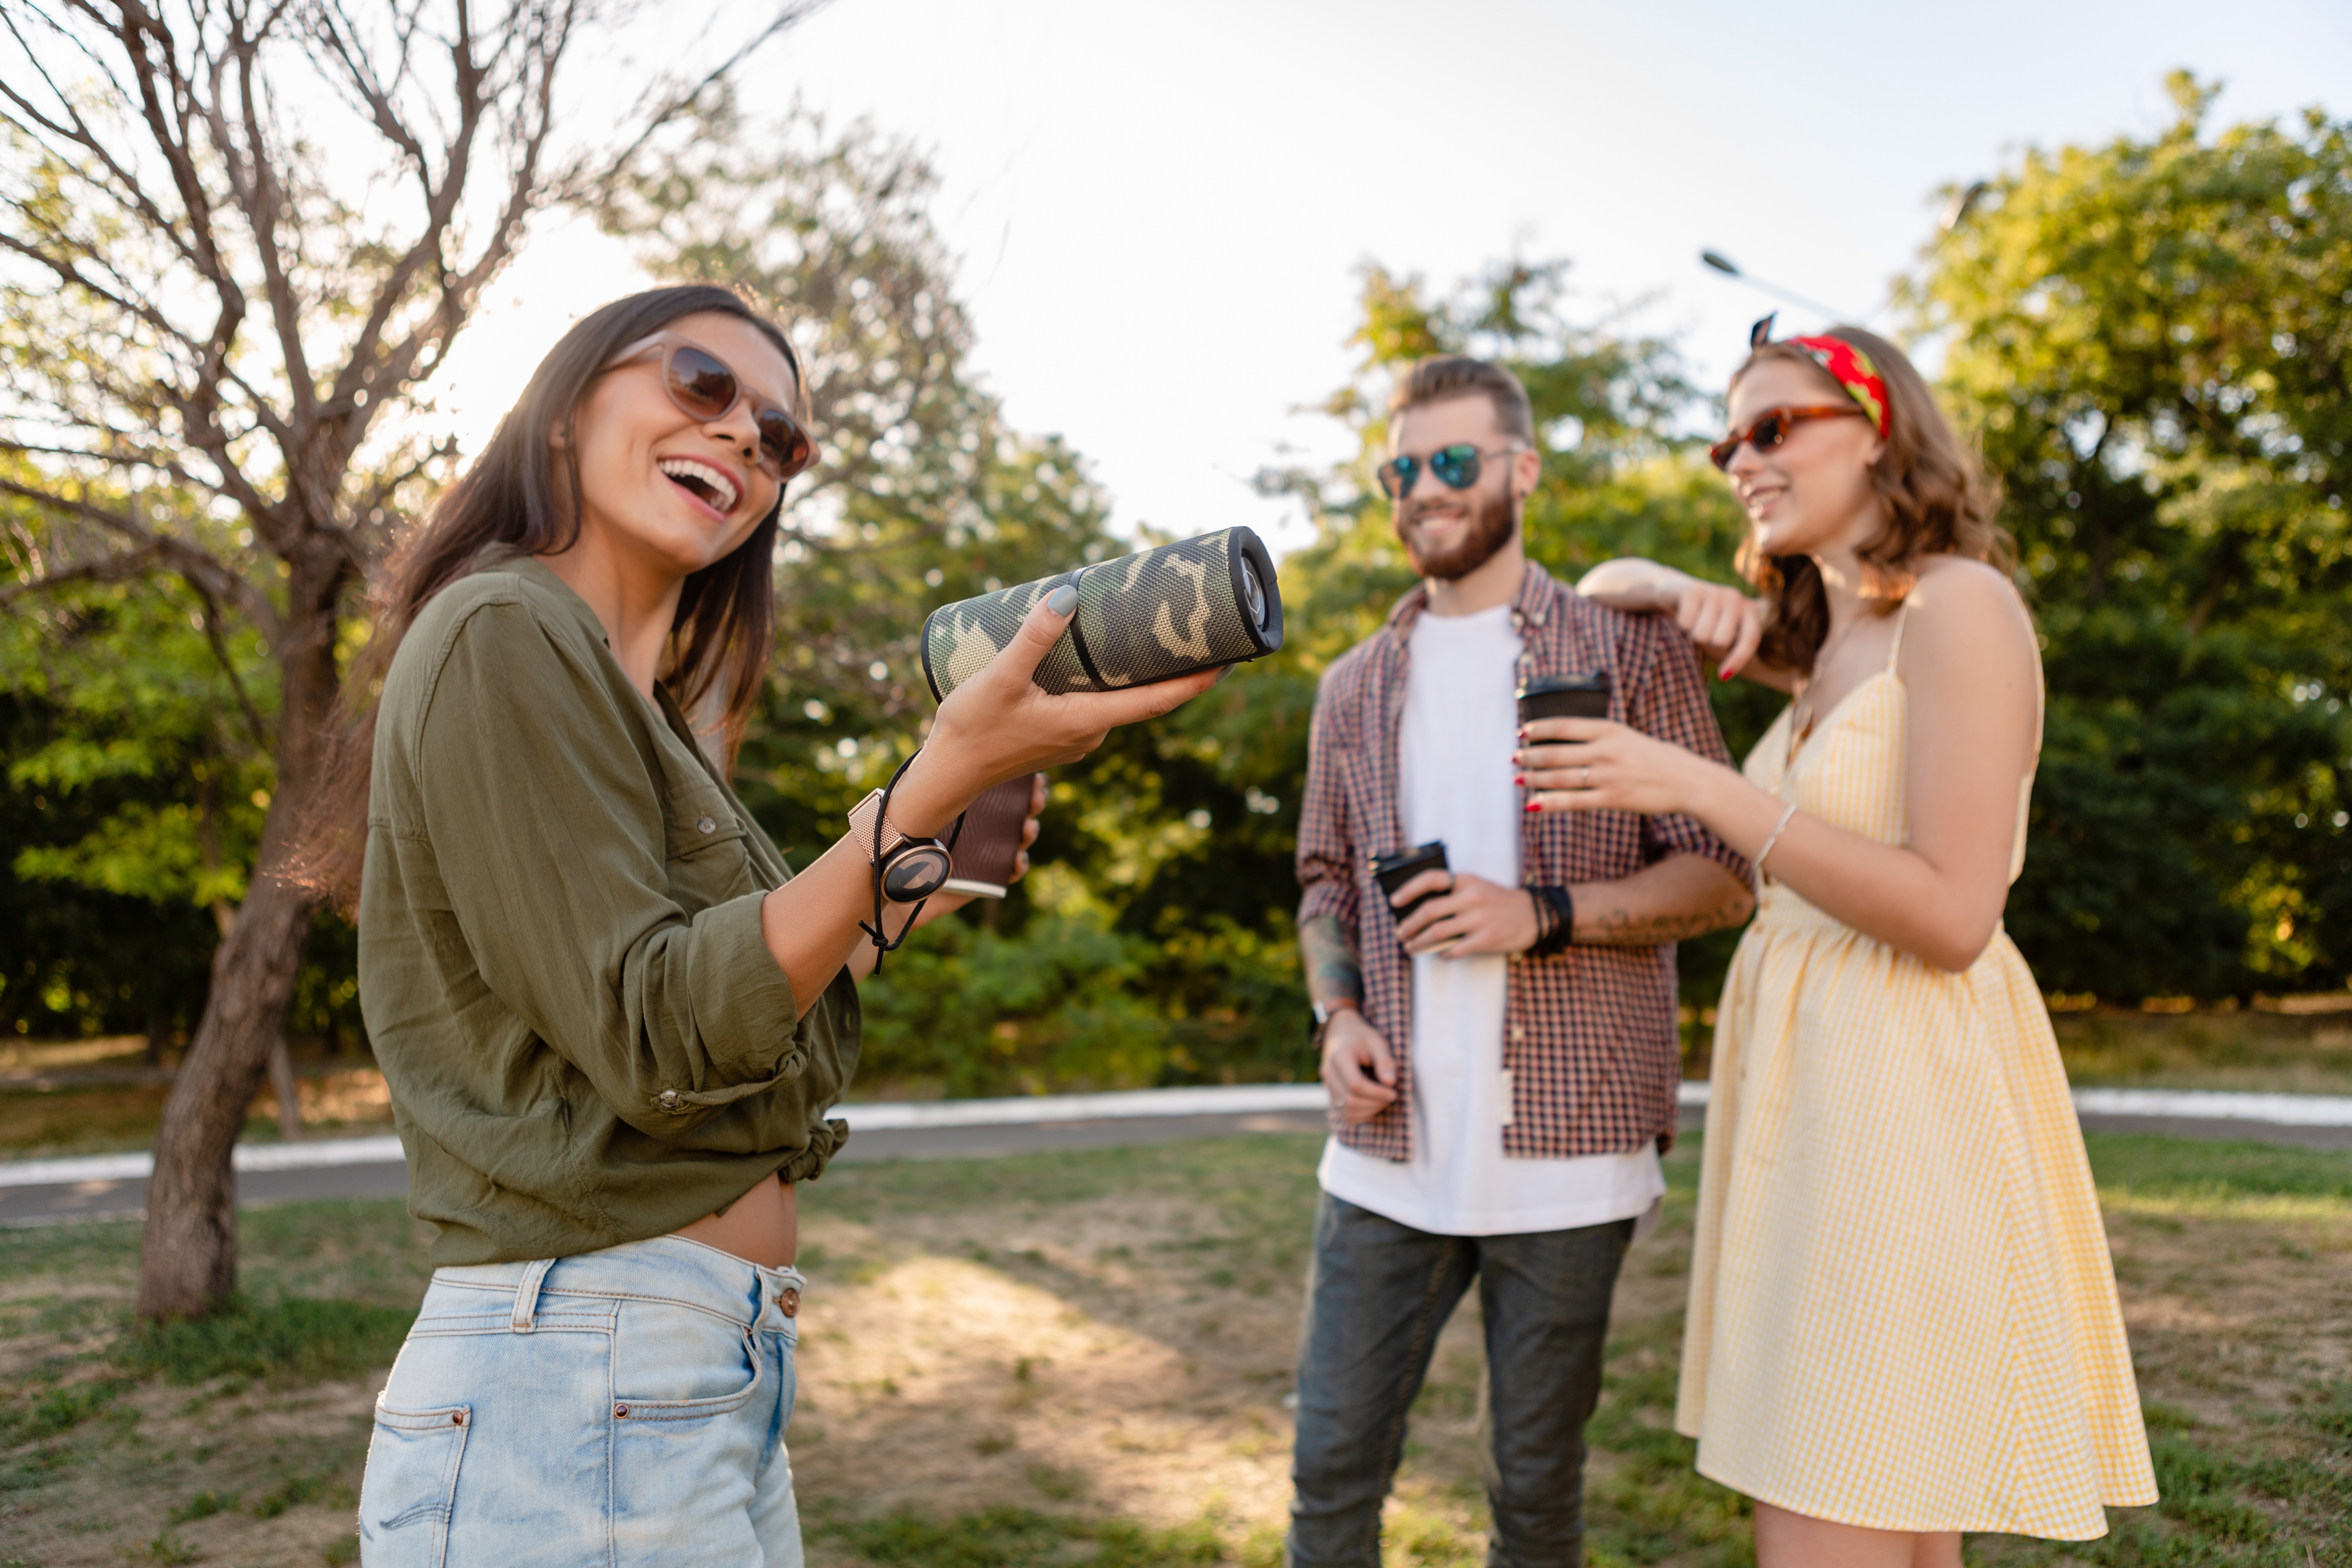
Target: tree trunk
x=187 y=1266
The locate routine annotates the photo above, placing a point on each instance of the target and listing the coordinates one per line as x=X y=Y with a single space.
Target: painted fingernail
x=1062 y=600
x=1518 y=778
x=1723 y=675
x=1534 y=807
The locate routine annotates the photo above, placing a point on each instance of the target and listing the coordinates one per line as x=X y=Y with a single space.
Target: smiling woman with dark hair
x=611 y=1016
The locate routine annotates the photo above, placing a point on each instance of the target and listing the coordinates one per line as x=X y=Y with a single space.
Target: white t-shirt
x=1454 y=775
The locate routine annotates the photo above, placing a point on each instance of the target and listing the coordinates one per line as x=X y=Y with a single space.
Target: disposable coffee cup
x=1565 y=697
x=1394 y=872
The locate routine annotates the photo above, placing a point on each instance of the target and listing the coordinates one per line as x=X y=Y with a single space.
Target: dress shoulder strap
x=1894 y=648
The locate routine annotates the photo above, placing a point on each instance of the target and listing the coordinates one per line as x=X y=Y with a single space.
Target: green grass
x=329 y=1287
x=2176 y=1169
x=2223 y=1508
x=40 y=1408
x=2244 y=1050
x=176 y=1438
x=1018 y=1538
x=295 y=1341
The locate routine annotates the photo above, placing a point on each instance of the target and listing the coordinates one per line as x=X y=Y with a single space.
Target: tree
x=238 y=239
x=2153 y=339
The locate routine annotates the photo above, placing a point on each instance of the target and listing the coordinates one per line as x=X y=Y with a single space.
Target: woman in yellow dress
x=1903 y=1320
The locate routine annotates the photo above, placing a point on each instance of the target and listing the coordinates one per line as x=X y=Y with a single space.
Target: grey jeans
x=1377 y=1294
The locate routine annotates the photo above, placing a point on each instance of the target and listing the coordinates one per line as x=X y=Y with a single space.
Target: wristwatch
x=911 y=868
x=1325 y=1012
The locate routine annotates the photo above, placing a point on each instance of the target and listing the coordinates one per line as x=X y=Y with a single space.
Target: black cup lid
x=1596 y=681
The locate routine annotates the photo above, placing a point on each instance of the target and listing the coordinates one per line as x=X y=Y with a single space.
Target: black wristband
x=1554 y=919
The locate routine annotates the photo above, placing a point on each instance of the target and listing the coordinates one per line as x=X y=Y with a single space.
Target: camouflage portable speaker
x=1195 y=605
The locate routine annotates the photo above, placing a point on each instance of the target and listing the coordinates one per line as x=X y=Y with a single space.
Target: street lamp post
x=1730 y=269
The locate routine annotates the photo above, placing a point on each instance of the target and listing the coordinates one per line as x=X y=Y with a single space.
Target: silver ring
x=1583 y=777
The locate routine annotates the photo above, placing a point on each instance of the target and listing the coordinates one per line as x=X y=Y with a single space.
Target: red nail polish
x=1723 y=675
x=1518 y=778
x=1533 y=806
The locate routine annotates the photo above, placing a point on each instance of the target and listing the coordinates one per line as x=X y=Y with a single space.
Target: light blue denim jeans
x=621 y=1407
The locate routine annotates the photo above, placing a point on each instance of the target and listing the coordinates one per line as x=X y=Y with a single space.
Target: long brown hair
x=510 y=503
x=1934 y=493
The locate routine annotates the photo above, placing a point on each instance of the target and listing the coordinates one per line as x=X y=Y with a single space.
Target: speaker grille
x=958 y=638
x=1164 y=612
x=1149 y=617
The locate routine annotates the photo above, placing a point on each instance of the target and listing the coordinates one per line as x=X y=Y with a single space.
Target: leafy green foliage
x=137 y=780
x=2154 y=340
x=125 y=809
x=2150 y=339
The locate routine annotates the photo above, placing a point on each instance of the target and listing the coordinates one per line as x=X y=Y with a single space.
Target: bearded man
x=1502 y=1064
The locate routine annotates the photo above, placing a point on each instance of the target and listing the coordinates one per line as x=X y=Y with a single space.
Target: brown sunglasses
x=1771 y=428
x=700 y=385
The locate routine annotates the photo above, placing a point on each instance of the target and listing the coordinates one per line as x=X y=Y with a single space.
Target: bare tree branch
x=656 y=110
x=153 y=552
x=254 y=728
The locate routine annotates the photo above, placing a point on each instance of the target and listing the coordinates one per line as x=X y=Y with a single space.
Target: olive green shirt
x=561 y=965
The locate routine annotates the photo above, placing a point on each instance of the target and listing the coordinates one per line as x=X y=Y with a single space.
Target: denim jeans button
x=790 y=1302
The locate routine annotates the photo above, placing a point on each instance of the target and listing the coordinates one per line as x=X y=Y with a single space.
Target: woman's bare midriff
x=763 y=1227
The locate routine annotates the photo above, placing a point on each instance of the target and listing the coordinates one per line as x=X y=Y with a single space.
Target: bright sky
x=1161 y=209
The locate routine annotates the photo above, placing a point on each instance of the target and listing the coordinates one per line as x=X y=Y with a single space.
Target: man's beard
x=1493 y=520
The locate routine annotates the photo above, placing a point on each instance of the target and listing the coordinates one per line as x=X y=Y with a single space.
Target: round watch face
x=915 y=872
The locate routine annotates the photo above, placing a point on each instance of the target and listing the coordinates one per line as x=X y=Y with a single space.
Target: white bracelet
x=1756 y=865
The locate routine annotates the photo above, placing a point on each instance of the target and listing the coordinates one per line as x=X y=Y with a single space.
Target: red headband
x=1852 y=371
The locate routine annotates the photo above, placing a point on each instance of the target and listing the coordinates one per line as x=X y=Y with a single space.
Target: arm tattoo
x=1623 y=927
x=1329 y=959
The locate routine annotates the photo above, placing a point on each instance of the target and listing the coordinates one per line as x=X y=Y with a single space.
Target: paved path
x=114 y=1186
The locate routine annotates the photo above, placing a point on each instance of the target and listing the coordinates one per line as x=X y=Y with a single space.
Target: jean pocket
x=676 y=1362
x=411 y=1485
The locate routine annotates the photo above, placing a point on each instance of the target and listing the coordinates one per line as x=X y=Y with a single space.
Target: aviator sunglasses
x=700 y=385
x=1771 y=428
x=1456 y=468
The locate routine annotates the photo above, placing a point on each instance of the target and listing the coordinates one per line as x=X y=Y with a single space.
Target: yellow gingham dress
x=1902 y=1311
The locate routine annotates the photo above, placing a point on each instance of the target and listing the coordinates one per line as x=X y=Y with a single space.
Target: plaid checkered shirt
x=1589 y=1036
